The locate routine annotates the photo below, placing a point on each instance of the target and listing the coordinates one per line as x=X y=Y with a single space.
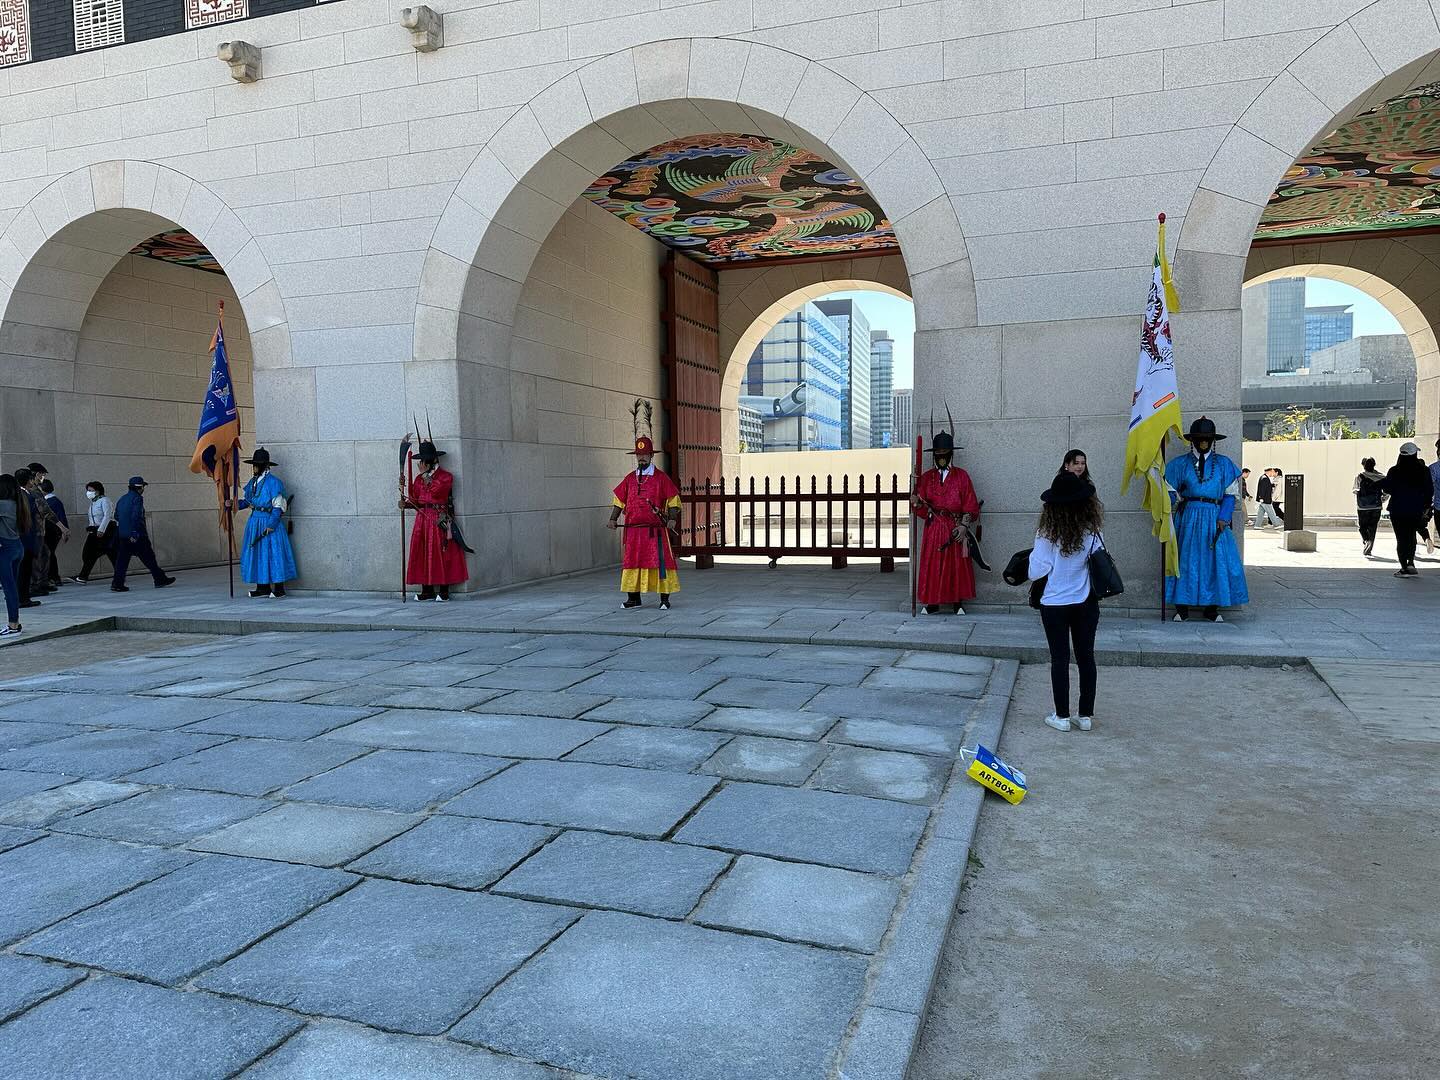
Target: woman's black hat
x=1203 y=428
x=1067 y=489
x=944 y=444
x=427 y=452
x=260 y=457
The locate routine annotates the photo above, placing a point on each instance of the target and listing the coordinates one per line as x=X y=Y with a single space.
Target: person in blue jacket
x=1204 y=485
x=267 y=560
x=134 y=538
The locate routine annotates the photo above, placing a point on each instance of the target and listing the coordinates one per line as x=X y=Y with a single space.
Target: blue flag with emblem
x=217 y=443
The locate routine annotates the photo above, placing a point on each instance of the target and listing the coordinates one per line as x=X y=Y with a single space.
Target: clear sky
x=887 y=312
x=1370 y=316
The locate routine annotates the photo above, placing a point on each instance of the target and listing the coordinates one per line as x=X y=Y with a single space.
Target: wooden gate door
x=691 y=404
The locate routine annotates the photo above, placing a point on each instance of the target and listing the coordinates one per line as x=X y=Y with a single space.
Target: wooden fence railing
x=865 y=523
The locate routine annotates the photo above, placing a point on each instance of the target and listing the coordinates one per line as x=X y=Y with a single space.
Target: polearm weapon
x=661 y=529
x=404 y=494
x=917 y=523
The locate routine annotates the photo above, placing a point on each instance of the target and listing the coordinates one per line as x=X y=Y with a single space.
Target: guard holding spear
x=437 y=550
x=944 y=498
x=650 y=502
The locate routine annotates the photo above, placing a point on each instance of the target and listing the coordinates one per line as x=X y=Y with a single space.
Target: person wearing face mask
x=650 y=502
x=1204 y=485
x=267 y=560
x=100 y=531
x=945 y=498
x=437 y=551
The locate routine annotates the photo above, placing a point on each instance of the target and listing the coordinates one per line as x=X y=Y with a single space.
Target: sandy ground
x=1236 y=883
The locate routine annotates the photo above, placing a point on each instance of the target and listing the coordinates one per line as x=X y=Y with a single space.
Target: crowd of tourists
x=1408 y=492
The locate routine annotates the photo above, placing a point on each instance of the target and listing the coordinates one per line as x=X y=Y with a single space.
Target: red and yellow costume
x=946 y=575
x=435 y=558
x=646 y=496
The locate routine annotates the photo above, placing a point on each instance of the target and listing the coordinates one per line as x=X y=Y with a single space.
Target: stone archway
x=103 y=354
x=1357 y=64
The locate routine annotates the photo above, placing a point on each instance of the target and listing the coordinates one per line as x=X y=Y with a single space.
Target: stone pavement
x=1333 y=604
x=506 y=855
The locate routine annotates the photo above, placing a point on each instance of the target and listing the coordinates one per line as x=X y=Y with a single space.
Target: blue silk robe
x=266 y=557
x=1211 y=571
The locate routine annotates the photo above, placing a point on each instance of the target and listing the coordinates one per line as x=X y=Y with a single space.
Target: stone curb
x=1026 y=654
x=889 y=1023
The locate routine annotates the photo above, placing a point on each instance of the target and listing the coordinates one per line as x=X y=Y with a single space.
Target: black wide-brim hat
x=1203 y=428
x=944 y=444
x=427 y=452
x=1067 y=489
x=260 y=457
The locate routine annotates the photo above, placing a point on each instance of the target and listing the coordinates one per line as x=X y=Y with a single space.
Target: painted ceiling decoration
x=179 y=247
x=728 y=199
x=1378 y=172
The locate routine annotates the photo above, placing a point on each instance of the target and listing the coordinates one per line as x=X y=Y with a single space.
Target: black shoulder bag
x=1104 y=575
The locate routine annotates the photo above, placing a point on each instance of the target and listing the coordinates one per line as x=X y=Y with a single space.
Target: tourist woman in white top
x=99 y=531
x=1069 y=531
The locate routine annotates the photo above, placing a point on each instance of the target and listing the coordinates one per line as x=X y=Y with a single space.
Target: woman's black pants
x=1064 y=624
x=1369 y=522
x=95 y=547
x=1406 y=527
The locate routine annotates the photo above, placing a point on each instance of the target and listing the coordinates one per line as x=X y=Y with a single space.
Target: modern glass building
x=882 y=385
x=1327 y=326
x=903 y=406
x=752 y=430
x=1285 y=340
x=798 y=372
x=855 y=399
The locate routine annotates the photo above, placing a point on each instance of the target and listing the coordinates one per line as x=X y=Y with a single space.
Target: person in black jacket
x=1369 y=500
x=1411 y=493
x=135 y=538
x=1265 y=509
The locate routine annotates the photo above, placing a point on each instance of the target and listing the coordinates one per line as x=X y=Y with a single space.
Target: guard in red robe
x=437 y=551
x=945 y=498
x=650 y=503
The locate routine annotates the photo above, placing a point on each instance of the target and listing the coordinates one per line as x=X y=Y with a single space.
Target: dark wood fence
x=868 y=522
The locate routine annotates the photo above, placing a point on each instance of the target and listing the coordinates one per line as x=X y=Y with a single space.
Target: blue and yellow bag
x=1005 y=780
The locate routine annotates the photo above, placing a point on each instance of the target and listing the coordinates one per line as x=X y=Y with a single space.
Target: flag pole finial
x=222 y=307
x=1162 y=219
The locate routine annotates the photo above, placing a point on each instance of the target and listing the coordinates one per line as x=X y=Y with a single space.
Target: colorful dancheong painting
x=1380 y=171
x=724 y=199
x=179 y=247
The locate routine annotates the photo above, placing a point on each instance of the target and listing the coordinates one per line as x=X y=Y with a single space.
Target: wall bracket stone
x=426 y=26
x=243 y=58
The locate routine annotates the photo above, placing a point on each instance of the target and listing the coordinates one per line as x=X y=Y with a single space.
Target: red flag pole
x=915 y=525
x=1164 y=441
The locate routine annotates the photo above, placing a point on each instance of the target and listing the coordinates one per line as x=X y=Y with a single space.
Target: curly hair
x=1066 y=525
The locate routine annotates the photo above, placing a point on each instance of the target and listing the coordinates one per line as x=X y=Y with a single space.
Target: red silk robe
x=434 y=558
x=945 y=576
x=645 y=535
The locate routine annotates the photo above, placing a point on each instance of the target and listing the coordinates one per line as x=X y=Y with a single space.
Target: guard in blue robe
x=1204 y=485
x=266 y=559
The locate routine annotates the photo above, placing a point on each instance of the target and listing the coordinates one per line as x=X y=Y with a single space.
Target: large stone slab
x=25 y=980
x=308 y=833
x=13 y=838
x=250 y=766
x=53 y=803
x=107 y=755
x=652 y=748
x=15 y=734
x=280 y=689
x=444 y=698
x=466 y=853
x=116 y=1029
x=191 y=919
x=883 y=774
x=279 y=720
x=534 y=680
x=165 y=817
x=651 y=712
x=620 y=995
x=947 y=661
x=848 y=831
x=502 y=736
x=535 y=703
x=895 y=735
x=768 y=761
x=782 y=723
x=434 y=676
x=402 y=957
x=345 y=671
x=762 y=693
x=942 y=682
x=403 y=780
x=577 y=795
x=154 y=714
x=646 y=877
x=55 y=877
x=916 y=707
x=656 y=684
x=801 y=902
x=332 y=1050
x=779 y=669
x=15 y=784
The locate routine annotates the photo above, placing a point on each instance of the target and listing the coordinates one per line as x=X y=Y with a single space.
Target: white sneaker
x=1083 y=723
x=1059 y=723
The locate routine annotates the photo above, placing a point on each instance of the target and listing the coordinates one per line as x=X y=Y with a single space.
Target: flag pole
x=1164 y=442
x=914 y=522
x=234 y=468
